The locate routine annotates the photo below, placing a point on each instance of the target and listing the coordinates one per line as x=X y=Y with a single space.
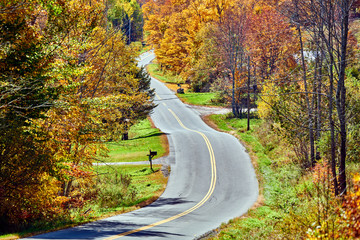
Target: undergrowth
x=110 y=189
x=293 y=202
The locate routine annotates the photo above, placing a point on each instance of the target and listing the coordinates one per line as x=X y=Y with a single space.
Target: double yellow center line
x=199 y=204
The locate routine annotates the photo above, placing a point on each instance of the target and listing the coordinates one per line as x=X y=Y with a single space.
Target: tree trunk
x=233 y=94
x=129 y=30
x=332 y=131
x=318 y=103
x=308 y=105
x=341 y=96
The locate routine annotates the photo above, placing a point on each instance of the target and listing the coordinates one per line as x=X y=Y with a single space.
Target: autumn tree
x=328 y=23
x=26 y=65
x=23 y=63
x=68 y=83
x=232 y=46
x=108 y=96
x=205 y=62
x=205 y=65
x=180 y=32
x=273 y=42
x=157 y=15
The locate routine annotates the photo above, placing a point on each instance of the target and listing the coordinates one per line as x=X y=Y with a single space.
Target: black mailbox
x=153 y=153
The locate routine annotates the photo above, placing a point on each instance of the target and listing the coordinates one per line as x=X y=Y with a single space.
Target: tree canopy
x=68 y=83
x=294 y=59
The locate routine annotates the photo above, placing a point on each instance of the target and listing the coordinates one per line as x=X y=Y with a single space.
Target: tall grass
x=275 y=183
x=291 y=203
x=112 y=190
x=122 y=188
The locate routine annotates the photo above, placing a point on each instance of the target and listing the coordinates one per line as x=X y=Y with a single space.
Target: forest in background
x=69 y=83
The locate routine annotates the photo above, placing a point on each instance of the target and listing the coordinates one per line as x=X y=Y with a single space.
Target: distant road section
x=212 y=181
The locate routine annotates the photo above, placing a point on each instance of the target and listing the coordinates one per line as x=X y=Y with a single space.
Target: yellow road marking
x=149 y=55
x=158 y=96
x=199 y=204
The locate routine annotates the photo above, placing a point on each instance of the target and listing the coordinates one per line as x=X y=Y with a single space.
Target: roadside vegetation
x=167 y=77
x=202 y=99
x=142 y=138
x=291 y=200
x=111 y=189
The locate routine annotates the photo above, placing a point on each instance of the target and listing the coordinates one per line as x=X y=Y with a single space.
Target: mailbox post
x=151 y=155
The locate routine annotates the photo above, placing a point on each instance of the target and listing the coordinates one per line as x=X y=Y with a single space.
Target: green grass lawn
x=228 y=123
x=157 y=73
x=202 y=99
x=142 y=138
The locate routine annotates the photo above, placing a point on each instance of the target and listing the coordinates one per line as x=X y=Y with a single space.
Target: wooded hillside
x=297 y=59
x=68 y=84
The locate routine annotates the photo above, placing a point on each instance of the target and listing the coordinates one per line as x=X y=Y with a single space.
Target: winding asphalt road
x=211 y=181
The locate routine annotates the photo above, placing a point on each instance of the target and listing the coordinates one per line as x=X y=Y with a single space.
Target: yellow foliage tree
x=67 y=85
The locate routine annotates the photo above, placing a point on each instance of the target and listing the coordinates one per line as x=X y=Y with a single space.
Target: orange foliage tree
x=66 y=86
x=273 y=43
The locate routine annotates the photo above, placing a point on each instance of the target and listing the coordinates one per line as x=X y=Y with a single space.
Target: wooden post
x=151 y=155
x=150 y=160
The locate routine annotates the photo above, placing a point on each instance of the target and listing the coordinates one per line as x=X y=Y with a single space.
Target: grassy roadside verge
x=113 y=189
x=124 y=189
x=201 y=99
x=157 y=73
x=275 y=181
x=142 y=137
x=171 y=81
x=140 y=47
x=288 y=206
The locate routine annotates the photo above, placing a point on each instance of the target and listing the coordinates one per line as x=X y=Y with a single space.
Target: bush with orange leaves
x=324 y=204
x=342 y=218
x=350 y=212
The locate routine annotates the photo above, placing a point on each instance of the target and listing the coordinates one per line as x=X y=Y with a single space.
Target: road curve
x=211 y=181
